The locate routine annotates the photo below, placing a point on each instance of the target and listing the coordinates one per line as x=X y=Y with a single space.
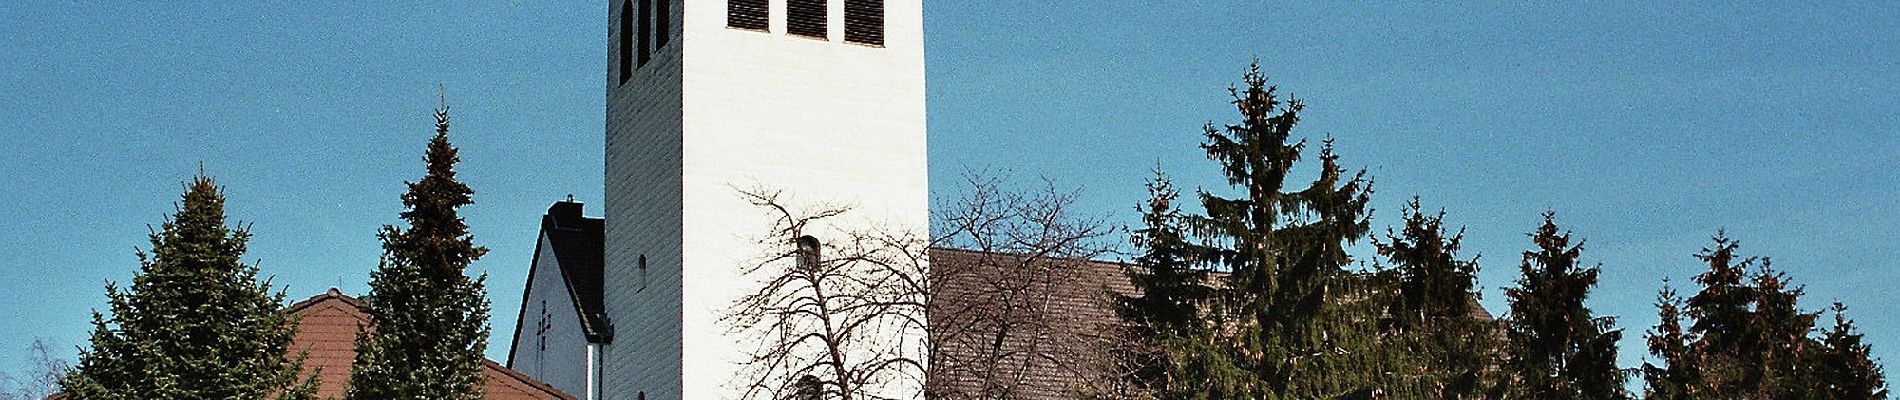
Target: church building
x=821 y=100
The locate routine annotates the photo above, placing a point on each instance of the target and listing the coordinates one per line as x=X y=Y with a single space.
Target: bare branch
x=846 y=323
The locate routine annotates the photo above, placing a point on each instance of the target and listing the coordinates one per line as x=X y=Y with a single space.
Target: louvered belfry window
x=662 y=24
x=806 y=18
x=626 y=41
x=748 y=14
x=646 y=31
x=864 y=22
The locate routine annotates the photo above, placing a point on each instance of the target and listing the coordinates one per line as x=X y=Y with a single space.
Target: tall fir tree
x=428 y=322
x=1434 y=286
x=1725 y=354
x=1782 y=366
x=1558 y=348
x=196 y=323
x=1749 y=339
x=1432 y=308
x=1672 y=376
x=1845 y=363
x=1283 y=250
x=1167 y=315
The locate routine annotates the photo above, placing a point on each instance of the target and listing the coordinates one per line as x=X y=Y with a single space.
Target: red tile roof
x=327 y=327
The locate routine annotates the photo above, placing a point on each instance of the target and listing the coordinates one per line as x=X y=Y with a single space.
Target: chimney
x=565 y=212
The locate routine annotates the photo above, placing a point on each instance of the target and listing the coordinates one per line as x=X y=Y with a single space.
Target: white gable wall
x=564 y=363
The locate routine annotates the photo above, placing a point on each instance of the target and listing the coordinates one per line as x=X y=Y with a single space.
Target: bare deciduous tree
x=1004 y=311
x=998 y=279
x=40 y=382
x=836 y=319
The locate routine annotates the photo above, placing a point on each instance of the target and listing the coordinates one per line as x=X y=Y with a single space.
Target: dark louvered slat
x=806 y=18
x=864 y=22
x=748 y=14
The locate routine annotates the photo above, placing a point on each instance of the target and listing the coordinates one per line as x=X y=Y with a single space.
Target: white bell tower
x=823 y=99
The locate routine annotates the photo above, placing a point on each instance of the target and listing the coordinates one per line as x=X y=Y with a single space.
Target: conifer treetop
x=195 y=322
x=437 y=237
x=429 y=321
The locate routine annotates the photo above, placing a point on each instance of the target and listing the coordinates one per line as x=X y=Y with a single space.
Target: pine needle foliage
x=195 y=323
x=428 y=321
x=1558 y=348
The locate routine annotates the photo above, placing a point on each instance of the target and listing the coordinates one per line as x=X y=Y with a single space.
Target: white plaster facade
x=548 y=313
x=718 y=110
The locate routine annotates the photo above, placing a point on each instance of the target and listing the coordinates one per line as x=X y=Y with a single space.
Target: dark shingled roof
x=579 y=244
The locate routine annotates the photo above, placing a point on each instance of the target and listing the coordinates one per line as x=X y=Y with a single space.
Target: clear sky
x=1647 y=128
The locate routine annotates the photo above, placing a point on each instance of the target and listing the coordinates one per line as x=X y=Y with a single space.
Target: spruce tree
x=428 y=322
x=1165 y=320
x=1432 y=307
x=195 y=323
x=1558 y=348
x=1172 y=291
x=1782 y=368
x=1845 y=364
x=1434 y=286
x=1675 y=378
x=1283 y=249
x=1750 y=340
x=1725 y=351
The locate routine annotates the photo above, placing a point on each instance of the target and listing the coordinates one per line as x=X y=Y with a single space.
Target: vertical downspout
x=593 y=371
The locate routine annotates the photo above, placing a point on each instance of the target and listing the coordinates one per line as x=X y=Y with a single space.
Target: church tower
x=823 y=99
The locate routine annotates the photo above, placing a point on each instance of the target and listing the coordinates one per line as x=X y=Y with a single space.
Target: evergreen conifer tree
x=1172 y=290
x=1676 y=377
x=195 y=323
x=1782 y=366
x=428 y=321
x=1558 y=348
x=1167 y=316
x=1725 y=352
x=1750 y=340
x=1845 y=364
x=1432 y=308
x=1283 y=250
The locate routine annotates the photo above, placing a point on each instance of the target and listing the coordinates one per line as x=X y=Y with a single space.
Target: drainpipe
x=593 y=371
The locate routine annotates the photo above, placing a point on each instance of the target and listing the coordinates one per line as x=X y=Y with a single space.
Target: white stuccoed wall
x=564 y=365
x=722 y=109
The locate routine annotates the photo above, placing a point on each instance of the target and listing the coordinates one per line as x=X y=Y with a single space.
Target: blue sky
x=1647 y=128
